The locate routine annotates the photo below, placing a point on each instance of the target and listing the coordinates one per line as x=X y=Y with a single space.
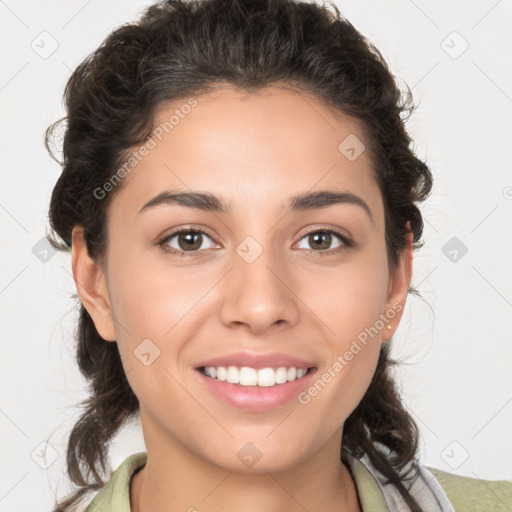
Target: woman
x=240 y=199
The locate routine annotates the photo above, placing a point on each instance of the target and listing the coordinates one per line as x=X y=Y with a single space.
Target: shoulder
x=115 y=494
x=474 y=494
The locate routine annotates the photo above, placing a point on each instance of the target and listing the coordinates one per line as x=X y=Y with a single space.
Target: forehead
x=246 y=146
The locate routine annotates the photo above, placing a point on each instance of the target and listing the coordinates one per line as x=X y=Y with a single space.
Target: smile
x=247 y=376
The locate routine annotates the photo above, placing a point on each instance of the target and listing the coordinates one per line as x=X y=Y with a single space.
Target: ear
x=399 y=282
x=91 y=285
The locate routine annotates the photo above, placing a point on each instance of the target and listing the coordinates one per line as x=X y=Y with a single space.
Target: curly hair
x=178 y=49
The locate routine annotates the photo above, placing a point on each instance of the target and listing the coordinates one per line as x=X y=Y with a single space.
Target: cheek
x=351 y=346
x=155 y=316
x=149 y=299
x=348 y=299
x=340 y=387
x=349 y=306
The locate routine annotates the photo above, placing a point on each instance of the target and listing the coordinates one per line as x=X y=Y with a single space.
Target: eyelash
x=347 y=243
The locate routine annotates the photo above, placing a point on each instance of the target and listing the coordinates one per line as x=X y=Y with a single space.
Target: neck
x=175 y=479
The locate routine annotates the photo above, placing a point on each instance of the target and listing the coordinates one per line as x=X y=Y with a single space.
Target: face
x=257 y=278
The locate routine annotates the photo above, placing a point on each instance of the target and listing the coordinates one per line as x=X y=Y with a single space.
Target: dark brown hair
x=179 y=49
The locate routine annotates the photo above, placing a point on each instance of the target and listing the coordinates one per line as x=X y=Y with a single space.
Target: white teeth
x=281 y=375
x=266 y=377
x=246 y=376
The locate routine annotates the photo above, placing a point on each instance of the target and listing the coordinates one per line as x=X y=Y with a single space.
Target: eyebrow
x=209 y=202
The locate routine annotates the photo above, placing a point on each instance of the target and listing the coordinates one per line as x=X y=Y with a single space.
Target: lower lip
x=255 y=398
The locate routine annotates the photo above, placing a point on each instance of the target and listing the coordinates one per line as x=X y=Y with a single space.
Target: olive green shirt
x=465 y=494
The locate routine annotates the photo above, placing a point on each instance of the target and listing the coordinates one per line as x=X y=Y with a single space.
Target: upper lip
x=258 y=361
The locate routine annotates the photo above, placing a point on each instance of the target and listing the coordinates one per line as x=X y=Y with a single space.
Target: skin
x=255 y=150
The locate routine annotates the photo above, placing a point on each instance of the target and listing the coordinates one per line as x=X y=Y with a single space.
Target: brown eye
x=321 y=241
x=189 y=241
x=185 y=240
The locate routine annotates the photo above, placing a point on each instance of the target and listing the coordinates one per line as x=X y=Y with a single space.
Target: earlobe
x=91 y=285
x=399 y=284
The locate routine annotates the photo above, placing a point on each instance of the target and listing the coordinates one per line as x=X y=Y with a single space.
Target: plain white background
x=457 y=381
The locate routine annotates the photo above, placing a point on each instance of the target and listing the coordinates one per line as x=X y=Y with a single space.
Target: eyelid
x=326 y=228
x=345 y=239
x=164 y=239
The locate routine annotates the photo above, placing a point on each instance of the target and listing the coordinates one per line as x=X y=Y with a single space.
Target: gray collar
x=425 y=488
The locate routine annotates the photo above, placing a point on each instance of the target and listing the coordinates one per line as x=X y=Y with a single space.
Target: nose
x=258 y=294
